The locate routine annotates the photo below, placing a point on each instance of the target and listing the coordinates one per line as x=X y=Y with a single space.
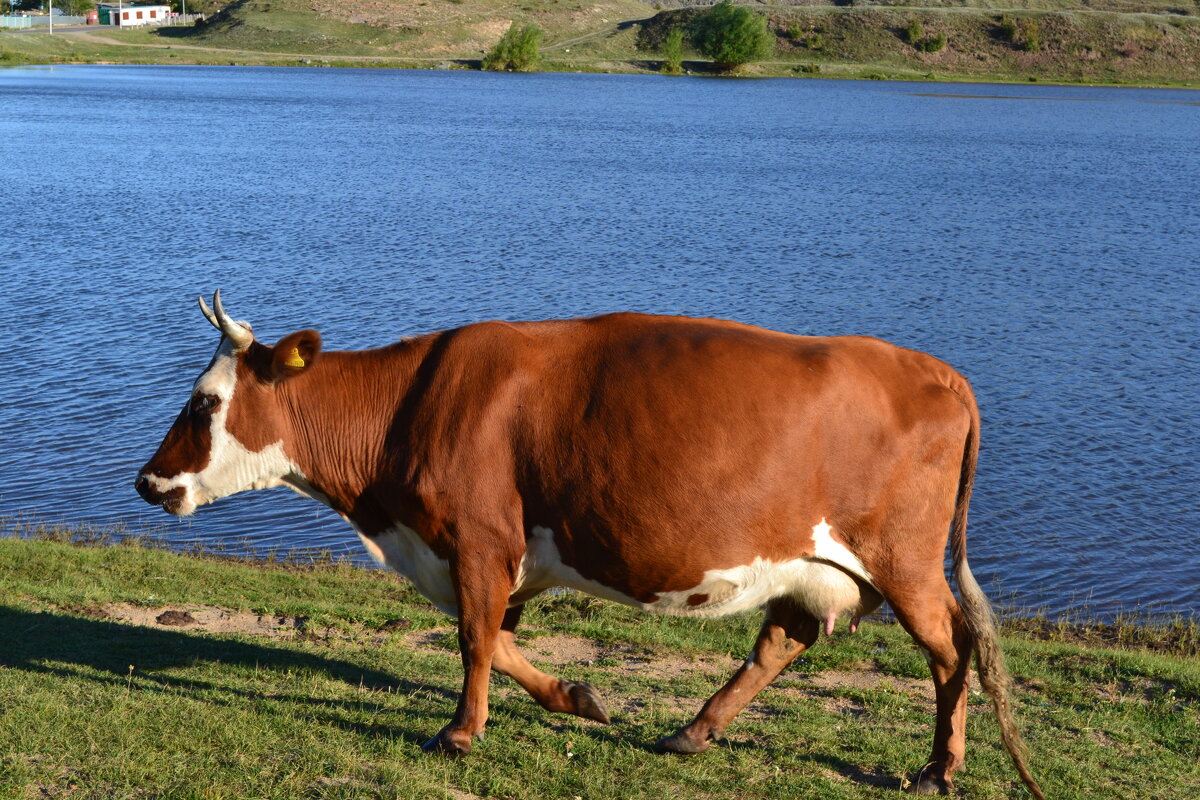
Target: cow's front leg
x=483 y=588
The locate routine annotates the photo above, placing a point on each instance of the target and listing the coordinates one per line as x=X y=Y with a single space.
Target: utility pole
x=50 y=3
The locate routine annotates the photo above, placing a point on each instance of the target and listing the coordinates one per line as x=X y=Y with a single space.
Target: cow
x=696 y=467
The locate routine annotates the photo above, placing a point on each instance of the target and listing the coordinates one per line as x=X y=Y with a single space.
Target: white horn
x=239 y=334
x=208 y=314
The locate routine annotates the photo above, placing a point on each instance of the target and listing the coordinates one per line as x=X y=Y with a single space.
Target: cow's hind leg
x=572 y=697
x=931 y=615
x=787 y=631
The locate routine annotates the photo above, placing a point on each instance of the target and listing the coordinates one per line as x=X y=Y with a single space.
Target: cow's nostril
x=142 y=485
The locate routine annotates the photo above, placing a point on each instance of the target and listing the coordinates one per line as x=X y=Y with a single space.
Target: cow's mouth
x=173 y=501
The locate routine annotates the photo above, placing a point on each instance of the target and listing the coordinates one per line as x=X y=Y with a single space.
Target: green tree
x=672 y=53
x=731 y=35
x=75 y=7
x=517 y=49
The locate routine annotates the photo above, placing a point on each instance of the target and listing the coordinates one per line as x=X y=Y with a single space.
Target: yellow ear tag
x=294 y=360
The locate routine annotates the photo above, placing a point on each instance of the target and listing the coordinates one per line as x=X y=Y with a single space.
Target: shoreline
x=408 y=63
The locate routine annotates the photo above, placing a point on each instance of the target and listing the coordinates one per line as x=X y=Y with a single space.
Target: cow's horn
x=239 y=334
x=208 y=314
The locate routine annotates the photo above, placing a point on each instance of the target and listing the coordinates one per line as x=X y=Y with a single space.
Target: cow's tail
x=977 y=611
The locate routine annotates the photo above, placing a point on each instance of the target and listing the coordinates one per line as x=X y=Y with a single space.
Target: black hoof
x=587 y=702
x=443 y=744
x=681 y=744
x=930 y=784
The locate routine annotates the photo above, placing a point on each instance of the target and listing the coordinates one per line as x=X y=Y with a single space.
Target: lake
x=1044 y=240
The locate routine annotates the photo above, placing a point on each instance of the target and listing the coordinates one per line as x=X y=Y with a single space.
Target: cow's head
x=231 y=436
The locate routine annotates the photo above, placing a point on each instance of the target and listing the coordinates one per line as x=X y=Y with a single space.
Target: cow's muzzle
x=171 y=500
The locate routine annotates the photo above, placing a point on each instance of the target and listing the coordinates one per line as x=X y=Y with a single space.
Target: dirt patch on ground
x=442 y=639
x=868 y=677
x=558 y=650
x=212 y=619
x=200 y=618
x=459 y=794
x=829 y=687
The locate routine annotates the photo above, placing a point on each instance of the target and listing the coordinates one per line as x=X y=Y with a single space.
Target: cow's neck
x=339 y=417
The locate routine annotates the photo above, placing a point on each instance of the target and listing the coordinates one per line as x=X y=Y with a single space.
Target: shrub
x=1033 y=37
x=915 y=33
x=915 y=36
x=1008 y=26
x=672 y=52
x=517 y=49
x=1024 y=33
x=931 y=44
x=731 y=35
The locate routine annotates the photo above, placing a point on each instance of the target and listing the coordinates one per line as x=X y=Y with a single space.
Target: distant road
x=57 y=29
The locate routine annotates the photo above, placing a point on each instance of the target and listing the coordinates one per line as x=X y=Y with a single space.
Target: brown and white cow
x=684 y=466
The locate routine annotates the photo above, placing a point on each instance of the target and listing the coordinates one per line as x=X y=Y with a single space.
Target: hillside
x=433 y=29
x=1069 y=41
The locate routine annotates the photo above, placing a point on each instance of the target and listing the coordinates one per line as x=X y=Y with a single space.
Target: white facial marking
x=401 y=549
x=231 y=468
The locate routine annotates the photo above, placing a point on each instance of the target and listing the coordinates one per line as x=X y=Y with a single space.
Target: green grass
x=337 y=705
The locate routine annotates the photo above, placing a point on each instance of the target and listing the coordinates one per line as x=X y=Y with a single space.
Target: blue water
x=1044 y=240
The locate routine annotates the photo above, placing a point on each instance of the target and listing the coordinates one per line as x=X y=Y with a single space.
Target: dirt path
x=92 y=37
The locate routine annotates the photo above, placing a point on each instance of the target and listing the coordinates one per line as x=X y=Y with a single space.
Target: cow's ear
x=294 y=353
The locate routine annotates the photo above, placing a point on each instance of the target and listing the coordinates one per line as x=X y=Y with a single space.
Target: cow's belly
x=815 y=583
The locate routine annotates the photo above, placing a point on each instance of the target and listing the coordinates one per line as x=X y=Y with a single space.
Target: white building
x=132 y=16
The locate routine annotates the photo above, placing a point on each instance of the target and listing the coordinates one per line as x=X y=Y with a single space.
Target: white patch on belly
x=542 y=567
x=401 y=549
x=815 y=583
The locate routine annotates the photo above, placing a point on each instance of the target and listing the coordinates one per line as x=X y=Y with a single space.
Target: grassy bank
x=133 y=672
x=1116 y=42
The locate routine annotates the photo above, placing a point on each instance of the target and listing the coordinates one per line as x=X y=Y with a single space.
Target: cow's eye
x=203 y=403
